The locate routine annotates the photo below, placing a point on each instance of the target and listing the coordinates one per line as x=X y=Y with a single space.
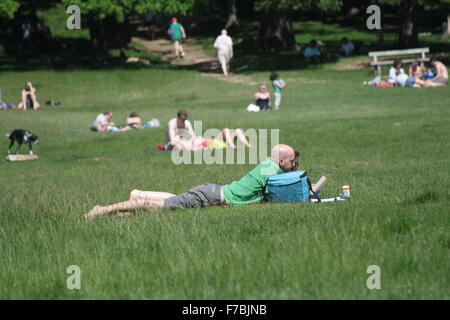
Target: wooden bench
x=417 y=51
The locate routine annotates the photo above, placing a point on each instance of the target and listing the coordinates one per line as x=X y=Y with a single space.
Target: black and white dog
x=22 y=136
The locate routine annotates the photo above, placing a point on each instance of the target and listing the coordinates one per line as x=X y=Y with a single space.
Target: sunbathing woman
x=262 y=98
x=226 y=138
x=29 y=99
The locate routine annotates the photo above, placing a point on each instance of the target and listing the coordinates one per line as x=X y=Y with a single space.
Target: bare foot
x=134 y=194
x=96 y=211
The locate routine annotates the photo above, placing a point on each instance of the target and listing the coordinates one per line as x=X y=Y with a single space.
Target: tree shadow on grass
x=72 y=55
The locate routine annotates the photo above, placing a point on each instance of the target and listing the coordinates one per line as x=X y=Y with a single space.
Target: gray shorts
x=204 y=195
x=441 y=80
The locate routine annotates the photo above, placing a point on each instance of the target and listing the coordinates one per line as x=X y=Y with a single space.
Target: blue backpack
x=290 y=187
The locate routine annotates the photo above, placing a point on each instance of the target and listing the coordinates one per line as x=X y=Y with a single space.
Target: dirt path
x=195 y=59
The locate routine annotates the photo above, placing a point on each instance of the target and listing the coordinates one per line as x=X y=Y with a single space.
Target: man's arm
x=230 y=48
x=216 y=43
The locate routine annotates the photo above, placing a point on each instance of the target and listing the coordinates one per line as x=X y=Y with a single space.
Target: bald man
x=249 y=189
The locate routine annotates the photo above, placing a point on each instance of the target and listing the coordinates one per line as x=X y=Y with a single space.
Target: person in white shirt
x=224 y=46
x=395 y=71
x=102 y=122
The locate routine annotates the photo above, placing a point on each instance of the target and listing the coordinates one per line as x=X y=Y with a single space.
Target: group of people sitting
x=29 y=100
x=103 y=123
x=261 y=99
x=312 y=52
x=436 y=76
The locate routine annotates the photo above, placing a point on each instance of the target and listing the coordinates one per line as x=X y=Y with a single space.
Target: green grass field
x=390 y=145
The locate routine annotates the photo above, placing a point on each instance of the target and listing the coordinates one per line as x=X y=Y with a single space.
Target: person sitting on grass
x=29 y=100
x=395 y=71
x=277 y=85
x=347 y=47
x=312 y=53
x=102 y=123
x=262 y=98
x=441 y=78
x=177 y=129
x=414 y=74
x=249 y=189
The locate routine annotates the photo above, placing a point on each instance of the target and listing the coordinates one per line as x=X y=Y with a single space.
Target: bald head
x=285 y=156
x=282 y=152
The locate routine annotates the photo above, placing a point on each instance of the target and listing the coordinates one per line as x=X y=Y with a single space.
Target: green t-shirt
x=251 y=188
x=276 y=88
x=175 y=31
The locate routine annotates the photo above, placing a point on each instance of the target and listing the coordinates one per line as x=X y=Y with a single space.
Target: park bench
x=417 y=51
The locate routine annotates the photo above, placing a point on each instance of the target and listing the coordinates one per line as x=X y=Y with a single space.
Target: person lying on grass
x=249 y=189
x=181 y=136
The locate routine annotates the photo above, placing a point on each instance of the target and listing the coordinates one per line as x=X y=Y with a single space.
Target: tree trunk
x=232 y=14
x=276 y=30
x=408 y=24
x=446 y=29
x=98 y=39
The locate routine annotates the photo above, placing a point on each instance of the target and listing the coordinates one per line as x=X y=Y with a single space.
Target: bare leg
x=225 y=69
x=150 y=195
x=23 y=104
x=125 y=206
x=176 y=43
x=433 y=84
x=36 y=104
x=181 y=51
x=241 y=137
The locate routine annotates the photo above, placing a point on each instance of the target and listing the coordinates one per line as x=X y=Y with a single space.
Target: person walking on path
x=224 y=46
x=177 y=33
